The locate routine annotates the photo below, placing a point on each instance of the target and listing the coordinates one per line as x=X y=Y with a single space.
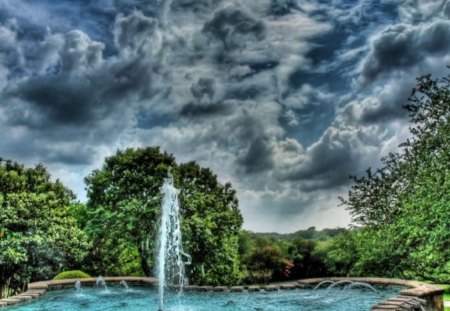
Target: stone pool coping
x=37 y=289
x=416 y=292
x=414 y=297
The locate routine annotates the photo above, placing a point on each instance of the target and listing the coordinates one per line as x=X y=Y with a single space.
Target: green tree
x=124 y=202
x=307 y=262
x=403 y=206
x=340 y=253
x=39 y=237
x=211 y=222
x=124 y=210
x=263 y=262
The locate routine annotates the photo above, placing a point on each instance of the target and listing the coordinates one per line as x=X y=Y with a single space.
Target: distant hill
x=308 y=234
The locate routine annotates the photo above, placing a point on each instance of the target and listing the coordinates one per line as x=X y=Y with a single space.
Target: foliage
x=284 y=258
x=123 y=207
x=211 y=222
x=403 y=205
x=307 y=262
x=262 y=263
x=73 y=274
x=259 y=276
x=125 y=195
x=38 y=235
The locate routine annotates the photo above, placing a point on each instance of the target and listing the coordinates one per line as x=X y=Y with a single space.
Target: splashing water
x=362 y=285
x=338 y=283
x=350 y=285
x=170 y=264
x=77 y=285
x=100 y=282
x=123 y=284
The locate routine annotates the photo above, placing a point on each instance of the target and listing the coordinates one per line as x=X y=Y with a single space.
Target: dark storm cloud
x=258 y=157
x=203 y=88
x=402 y=46
x=80 y=92
x=195 y=5
x=135 y=32
x=40 y=146
x=260 y=91
x=234 y=27
x=51 y=101
x=283 y=7
x=325 y=163
x=196 y=110
x=10 y=53
x=447 y=9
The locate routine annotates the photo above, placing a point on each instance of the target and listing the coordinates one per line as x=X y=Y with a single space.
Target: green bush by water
x=74 y=274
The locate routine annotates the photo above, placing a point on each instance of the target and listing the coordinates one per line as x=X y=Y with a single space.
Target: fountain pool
x=146 y=299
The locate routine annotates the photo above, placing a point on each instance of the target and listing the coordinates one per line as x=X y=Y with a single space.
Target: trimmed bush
x=74 y=274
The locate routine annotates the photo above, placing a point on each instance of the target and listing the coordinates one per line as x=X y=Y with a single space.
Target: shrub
x=74 y=274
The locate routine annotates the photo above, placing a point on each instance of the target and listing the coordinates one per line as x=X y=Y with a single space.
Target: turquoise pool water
x=140 y=299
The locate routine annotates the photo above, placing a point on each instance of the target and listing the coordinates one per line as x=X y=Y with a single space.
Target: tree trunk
x=144 y=264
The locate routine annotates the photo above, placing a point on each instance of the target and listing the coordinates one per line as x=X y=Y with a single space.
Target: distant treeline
x=308 y=234
x=268 y=257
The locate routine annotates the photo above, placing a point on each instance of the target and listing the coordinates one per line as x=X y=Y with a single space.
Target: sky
x=283 y=98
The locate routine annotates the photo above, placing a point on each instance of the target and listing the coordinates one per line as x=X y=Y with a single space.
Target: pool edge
x=416 y=293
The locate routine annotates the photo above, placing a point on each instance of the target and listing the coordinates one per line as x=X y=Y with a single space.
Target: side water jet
x=171 y=257
x=362 y=285
x=322 y=283
x=350 y=285
x=78 y=285
x=123 y=284
x=338 y=283
x=100 y=282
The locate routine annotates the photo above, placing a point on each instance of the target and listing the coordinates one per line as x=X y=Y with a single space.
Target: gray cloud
x=234 y=28
x=402 y=46
x=136 y=32
x=266 y=93
x=447 y=9
x=327 y=163
x=283 y=7
x=204 y=88
x=198 y=6
x=195 y=110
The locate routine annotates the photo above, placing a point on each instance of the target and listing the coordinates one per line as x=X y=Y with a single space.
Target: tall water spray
x=171 y=257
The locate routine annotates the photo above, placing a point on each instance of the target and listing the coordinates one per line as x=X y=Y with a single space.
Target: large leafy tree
x=404 y=205
x=211 y=224
x=38 y=236
x=125 y=204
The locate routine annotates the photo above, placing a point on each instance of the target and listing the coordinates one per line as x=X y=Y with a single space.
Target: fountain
x=78 y=285
x=100 y=282
x=169 y=263
x=350 y=285
x=322 y=283
x=362 y=285
x=338 y=283
x=123 y=284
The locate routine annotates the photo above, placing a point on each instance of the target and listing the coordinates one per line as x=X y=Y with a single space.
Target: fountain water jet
x=169 y=263
x=362 y=285
x=78 y=285
x=100 y=282
x=338 y=283
x=123 y=284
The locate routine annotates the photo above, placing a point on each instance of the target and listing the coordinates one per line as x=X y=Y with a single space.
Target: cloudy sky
x=284 y=98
